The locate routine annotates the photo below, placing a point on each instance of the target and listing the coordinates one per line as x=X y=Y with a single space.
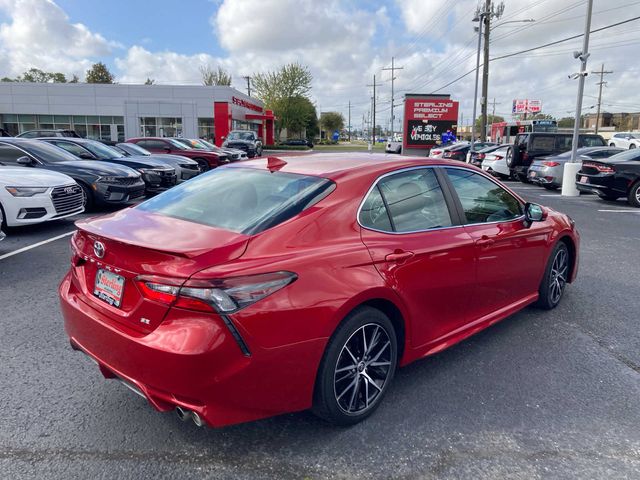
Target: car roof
x=336 y=165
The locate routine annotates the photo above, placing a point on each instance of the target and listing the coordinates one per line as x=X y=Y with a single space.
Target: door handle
x=485 y=241
x=399 y=257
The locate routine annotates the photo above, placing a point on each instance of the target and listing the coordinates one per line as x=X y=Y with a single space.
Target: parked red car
x=206 y=160
x=319 y=276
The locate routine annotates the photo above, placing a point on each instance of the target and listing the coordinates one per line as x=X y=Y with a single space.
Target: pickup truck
x=244 y=140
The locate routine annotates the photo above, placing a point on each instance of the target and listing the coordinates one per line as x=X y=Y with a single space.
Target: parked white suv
x=625 y=140
x=30 y=196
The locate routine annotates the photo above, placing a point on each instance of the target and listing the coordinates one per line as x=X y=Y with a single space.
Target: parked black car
x=48 y=133
x=157 y=175
x=102 y=183
x=528 y=146
x=459 y=152
x=477 y=156
x=612 y=178
x=185 y=168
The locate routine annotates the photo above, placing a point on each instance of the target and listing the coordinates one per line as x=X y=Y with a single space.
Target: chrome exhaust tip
x=196 y=419
x=183 y=414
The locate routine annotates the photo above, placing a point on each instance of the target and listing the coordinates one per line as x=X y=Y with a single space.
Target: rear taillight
x=220 y=295
x=480 y=156
x=550 y=164
x=498 y=157
x=525 y=157
x=599 y=167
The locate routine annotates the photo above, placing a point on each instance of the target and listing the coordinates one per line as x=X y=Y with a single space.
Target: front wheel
x=202 y=164
x=632 y=146
x=634 y=195
x=259 y=151
x=357 y=368
x=555 y=278
x=87 y=198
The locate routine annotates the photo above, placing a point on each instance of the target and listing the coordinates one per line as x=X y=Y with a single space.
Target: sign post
x=426 y=119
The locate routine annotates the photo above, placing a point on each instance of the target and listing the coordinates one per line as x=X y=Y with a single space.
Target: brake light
x=525 y=157
x=550 y=164
x=219 y=295
x=480 y=156
x=599 y=167
x=498 y=157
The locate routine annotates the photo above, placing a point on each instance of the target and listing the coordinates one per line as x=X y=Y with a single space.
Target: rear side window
x=543 y=142
x=410 y=201
x=563 y=142
x=242 y=200
x=152 y=144
x=482 y=200
x=591 y=142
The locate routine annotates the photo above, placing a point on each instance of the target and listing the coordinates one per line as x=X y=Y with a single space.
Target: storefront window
x=94 y=127
x=161 y=126
x=205 y=128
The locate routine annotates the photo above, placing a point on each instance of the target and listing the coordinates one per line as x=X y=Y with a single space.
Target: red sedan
x=161 y=145
x=273 y=286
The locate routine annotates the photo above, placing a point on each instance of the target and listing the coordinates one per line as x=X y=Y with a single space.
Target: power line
x=393 y=77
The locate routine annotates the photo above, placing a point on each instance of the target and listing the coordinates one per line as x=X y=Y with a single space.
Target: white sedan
x=495 y=163
x=625 y=140
x=30 y=196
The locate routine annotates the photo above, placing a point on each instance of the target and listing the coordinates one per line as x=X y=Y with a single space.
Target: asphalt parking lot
x=540 y=395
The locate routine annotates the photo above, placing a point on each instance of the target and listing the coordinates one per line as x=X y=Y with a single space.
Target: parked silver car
x=548 y=171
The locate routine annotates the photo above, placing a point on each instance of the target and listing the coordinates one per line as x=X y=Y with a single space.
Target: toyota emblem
x=98 y=249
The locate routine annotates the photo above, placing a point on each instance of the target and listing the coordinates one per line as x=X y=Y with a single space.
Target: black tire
x=634 y=195
x=632 y=146
x=510 y=158
x=357 y=373
x=502 y=176
x=3 y=218
x=608 y=196
x=612 y=144
x=203 y=164
x=555 y=277
x=89 y=200
x=550 y=186
x=522 y=177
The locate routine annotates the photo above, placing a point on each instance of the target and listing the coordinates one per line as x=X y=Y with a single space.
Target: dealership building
x=116 y=112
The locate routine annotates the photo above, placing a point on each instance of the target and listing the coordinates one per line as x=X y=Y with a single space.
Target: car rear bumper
x=605 y=184
x=544 y=176
x=193 y=361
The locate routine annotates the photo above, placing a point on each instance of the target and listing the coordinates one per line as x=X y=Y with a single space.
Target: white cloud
x=40 y=35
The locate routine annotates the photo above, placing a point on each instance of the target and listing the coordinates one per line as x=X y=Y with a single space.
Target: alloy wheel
x=558 y=275
x=362 y=369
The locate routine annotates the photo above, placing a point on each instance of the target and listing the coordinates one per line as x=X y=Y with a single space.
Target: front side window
x=72 y=148
x=483 y=200
x=410 y=201
x=9 y=155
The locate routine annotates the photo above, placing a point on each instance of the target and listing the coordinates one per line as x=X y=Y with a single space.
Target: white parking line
x=620 y=211
x=35 y=245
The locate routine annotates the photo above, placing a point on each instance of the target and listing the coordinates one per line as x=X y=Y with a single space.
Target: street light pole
x=477 y=18
x=572 y=167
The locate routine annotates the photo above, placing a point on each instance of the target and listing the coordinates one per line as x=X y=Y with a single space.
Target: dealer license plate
x=109 y=287
x=584 y=179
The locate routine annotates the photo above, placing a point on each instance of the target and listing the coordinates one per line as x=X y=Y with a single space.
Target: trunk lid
x=136 y=243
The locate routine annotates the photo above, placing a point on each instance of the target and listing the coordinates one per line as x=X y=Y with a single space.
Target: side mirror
x=534 y=213
x=167 y=149
x=26 y=161
x=86 y=156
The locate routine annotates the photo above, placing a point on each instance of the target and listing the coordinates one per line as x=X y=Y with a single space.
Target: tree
x=149 y=81
x=99 y=73
x=566 y=122
x=542 y=116
x=331 y=121
x=303 y=117
x=490 y=119
x=74 y=79
x=280 y=90
x=35 y=75
x=214 y=77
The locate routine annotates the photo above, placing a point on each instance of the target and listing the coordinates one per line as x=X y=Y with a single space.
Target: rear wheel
x=555 y=277
x=357 y=368
x=634 y=195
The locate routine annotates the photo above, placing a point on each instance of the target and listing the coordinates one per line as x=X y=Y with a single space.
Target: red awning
x=260 y=116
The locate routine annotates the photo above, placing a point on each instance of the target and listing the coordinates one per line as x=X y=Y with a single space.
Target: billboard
x=524 y=105
x=426 y=119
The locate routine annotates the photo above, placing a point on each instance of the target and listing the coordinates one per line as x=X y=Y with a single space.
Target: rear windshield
x=242 y=200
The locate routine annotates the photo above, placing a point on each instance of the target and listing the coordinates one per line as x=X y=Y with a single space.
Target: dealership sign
x=246 y=104
x=521 y=106
x=426 y=119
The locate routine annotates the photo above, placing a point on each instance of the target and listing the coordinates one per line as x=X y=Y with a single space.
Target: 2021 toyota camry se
x=319 y=277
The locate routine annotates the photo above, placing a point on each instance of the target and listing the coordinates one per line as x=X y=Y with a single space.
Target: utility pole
x=393 y=77
x=373 y=108
x=477 y=18
x=490 y=11
x=349 y=121
x=572 y=167
x=493 y=111
x=601 y=72
x=248 y=79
